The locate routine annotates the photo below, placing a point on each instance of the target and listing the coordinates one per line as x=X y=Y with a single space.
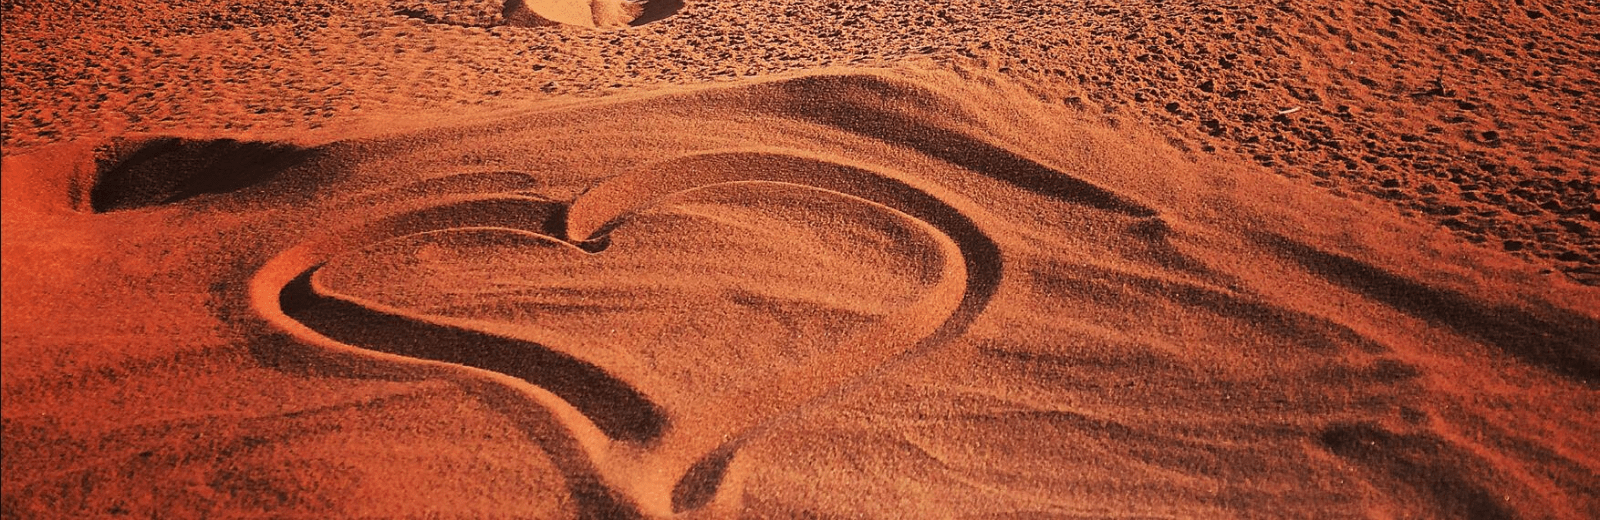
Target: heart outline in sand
x=618 y=448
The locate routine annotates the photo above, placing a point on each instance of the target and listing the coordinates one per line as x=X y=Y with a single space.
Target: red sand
x=912 y=292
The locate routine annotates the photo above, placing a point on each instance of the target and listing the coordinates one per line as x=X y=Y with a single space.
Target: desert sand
x=902 y=259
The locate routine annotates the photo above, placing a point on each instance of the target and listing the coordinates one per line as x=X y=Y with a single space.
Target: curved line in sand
x=616 y=446
x=283 y=286
x=608 y=204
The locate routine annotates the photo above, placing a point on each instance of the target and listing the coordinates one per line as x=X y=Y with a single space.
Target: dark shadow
x=700 y=483
x=166 y=170
x=1430 y=466
x=615 y=407
x=657 y=10
x=1557 y=340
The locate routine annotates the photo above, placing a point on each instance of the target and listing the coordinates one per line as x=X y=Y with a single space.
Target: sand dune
x=851 y=292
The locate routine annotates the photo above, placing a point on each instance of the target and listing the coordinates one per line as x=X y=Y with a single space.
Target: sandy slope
x=890 y=293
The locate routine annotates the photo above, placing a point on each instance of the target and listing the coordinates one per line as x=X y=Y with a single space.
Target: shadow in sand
x=167 y=170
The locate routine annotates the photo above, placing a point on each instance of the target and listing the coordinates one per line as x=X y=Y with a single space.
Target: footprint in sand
x=599 y=14
x=593 y=14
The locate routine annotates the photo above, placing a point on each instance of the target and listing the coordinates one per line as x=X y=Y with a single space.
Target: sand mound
x=847 y=293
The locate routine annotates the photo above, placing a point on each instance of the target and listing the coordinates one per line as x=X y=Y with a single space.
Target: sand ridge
x=1021 y=311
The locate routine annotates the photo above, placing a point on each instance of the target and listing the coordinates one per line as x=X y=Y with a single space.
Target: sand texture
x=993 y=269
x=1478 y=117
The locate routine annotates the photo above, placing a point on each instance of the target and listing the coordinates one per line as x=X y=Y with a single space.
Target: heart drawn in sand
x=519 y=298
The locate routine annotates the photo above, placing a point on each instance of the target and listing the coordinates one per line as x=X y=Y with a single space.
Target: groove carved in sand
x=623 y=450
